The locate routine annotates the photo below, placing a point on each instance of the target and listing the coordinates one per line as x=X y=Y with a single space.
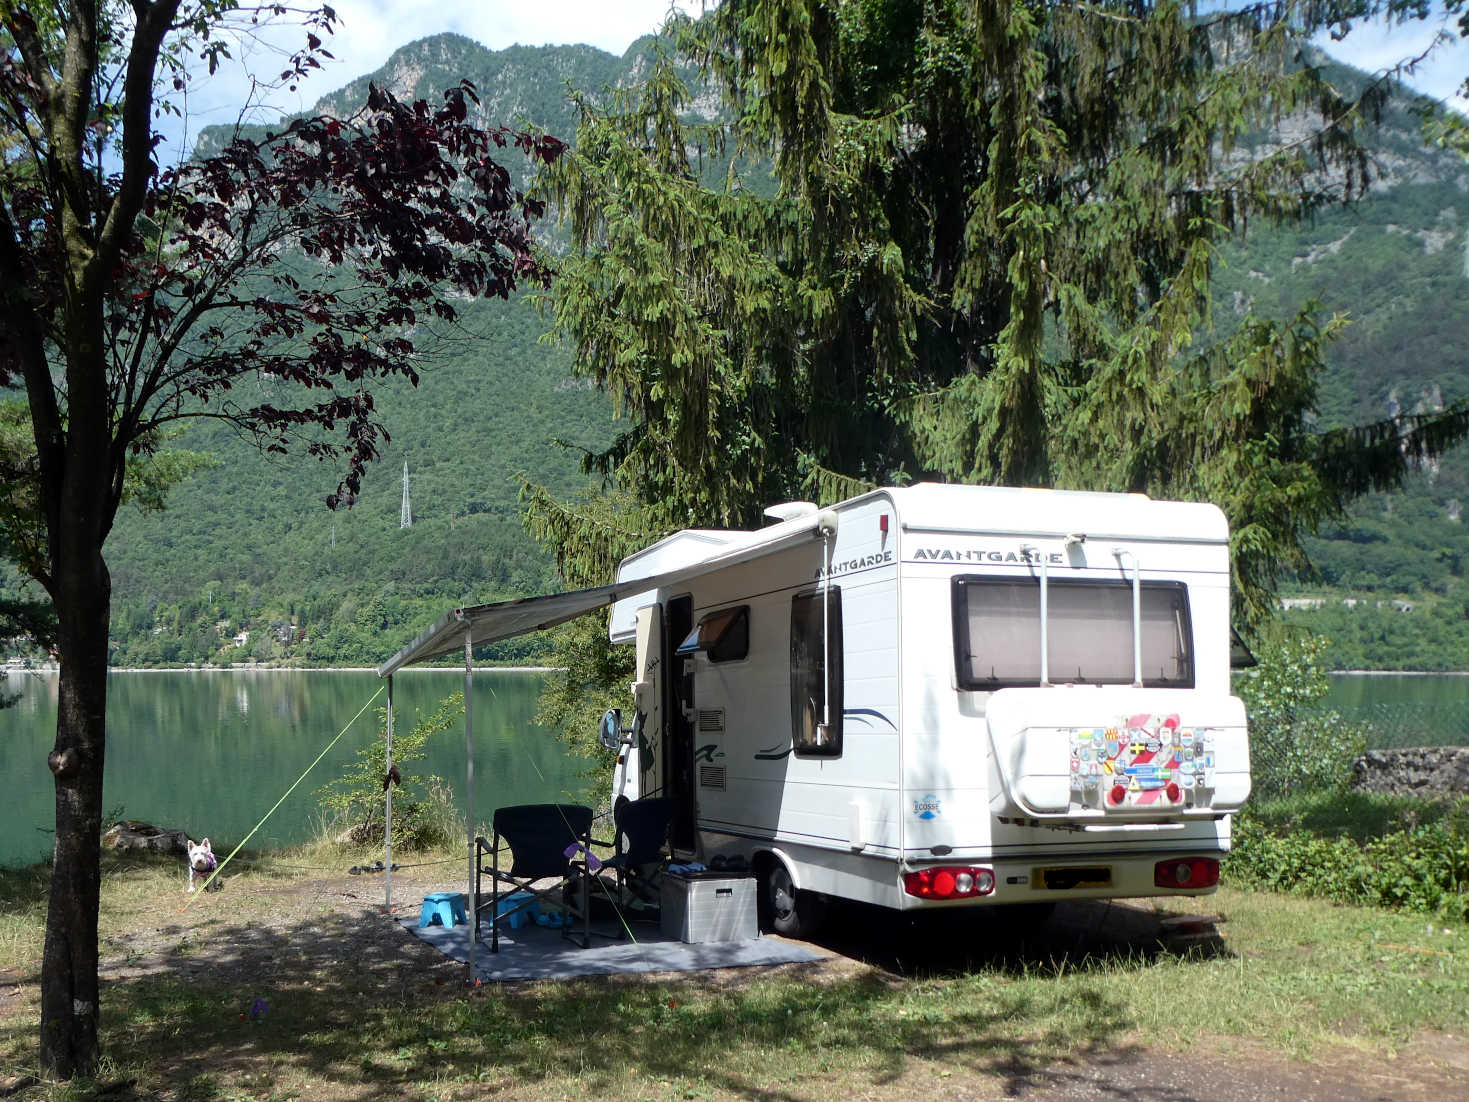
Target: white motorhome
x=939 y=696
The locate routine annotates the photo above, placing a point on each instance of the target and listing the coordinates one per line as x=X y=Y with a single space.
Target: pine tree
x=971 y=240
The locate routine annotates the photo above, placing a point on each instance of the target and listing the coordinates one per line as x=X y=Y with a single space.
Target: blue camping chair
x=546 y=841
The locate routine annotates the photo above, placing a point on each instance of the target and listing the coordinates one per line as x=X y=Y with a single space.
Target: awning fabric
x=505 y=619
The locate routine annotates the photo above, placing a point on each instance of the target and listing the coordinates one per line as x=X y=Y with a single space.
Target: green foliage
x=238 y=532
x=988 y=257
x=590 y=535
x=1296 y=744
x=419 y=803
x=241 y=541
x=593 y=677
x=237 y=535
x=1354 y=814
x=1394 y=593
x=1421 y=866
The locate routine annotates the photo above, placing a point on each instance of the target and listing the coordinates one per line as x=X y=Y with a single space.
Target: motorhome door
x=648 y=693
x=679 y=709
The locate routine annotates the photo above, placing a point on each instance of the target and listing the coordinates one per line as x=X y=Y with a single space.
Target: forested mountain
x=1392 y=591
x=247 y=562
x=249 y=547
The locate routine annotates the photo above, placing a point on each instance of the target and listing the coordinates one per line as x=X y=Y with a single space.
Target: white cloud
x=1377 y=47
x=368 y=31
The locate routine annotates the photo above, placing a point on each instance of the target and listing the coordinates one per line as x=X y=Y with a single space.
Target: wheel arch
x=766 y=856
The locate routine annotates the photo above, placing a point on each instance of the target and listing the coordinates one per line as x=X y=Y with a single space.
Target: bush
x=423 y=810
x=1296 y=744
x=1423 y=867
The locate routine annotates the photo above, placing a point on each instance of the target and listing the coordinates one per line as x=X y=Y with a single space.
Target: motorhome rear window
x=997 y=633
x=724 y=635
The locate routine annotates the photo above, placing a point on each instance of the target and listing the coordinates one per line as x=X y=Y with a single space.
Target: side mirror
x=609 y=733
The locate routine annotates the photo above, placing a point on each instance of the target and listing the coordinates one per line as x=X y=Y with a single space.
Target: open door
x=678 y=697
x=646 y=777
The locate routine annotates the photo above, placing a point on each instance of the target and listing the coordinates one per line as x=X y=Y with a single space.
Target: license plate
x=1065 y=878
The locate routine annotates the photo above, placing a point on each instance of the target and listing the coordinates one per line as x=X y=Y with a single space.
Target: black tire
x=785 y=910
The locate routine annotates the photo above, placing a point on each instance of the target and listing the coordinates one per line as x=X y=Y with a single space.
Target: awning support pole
x=469 y=789
x=388 y=810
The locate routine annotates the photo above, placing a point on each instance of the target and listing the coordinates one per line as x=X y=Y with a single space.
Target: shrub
x=423 y=811
x=1423 y=867
x=1296 y=743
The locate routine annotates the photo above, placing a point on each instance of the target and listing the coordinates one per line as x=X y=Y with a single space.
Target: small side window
x=724 y=635
x=816 y=639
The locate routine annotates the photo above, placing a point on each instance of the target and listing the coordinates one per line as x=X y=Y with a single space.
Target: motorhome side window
x=1089 y=633
x=816 y=640
x=724 y=635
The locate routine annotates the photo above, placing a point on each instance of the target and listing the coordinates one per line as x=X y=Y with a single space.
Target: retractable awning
x=506 y=619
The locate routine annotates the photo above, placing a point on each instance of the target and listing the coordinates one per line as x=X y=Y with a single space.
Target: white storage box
x=704 y=908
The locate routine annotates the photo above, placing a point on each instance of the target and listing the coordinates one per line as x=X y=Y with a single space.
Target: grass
x=924 y=1007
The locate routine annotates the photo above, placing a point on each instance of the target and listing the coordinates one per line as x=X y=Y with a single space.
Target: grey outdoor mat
x=539 y=953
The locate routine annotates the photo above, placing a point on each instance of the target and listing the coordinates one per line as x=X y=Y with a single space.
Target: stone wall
x=1430 y=772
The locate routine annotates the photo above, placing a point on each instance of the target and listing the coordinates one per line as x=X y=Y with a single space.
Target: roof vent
x=790 y=510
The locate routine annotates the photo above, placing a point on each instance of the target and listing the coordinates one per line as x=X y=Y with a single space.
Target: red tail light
x=949 y=882
x=1186 y=872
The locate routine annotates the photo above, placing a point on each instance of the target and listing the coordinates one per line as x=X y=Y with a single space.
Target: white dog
x=201 y=861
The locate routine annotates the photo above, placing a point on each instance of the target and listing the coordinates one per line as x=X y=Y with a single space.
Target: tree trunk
x=69 y=1002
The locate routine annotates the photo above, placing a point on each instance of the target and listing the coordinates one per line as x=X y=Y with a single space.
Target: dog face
x=201 y=857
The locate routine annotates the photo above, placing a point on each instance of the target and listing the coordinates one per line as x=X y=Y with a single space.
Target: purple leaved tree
x=316 y=258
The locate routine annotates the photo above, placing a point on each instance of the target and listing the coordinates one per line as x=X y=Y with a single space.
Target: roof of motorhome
x=1005 y=510
x=703 y=545
x=925 y=507
x=986 y=510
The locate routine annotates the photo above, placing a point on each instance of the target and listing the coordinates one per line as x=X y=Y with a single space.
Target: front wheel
x=786 y=911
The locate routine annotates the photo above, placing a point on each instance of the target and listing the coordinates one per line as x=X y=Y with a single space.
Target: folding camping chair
x=640 y=831
x=547 y=841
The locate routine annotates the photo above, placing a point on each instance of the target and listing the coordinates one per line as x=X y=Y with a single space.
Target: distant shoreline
x=1400 y=673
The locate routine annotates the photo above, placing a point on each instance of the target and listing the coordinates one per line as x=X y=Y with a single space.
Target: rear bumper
x=1052 y=879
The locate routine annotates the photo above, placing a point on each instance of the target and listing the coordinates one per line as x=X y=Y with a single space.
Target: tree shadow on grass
x=352 y=1004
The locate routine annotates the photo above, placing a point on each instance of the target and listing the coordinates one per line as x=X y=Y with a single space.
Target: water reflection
x=211 y=751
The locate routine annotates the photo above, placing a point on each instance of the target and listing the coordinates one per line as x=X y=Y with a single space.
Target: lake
x=1406 y=709
x=210 y=752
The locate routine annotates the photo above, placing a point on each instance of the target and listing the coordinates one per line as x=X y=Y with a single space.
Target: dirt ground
x=279 y=930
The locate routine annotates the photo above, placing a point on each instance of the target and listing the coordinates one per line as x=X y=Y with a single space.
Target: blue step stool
x=530 y=913
x=443 y=908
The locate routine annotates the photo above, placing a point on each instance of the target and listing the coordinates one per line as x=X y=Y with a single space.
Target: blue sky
x=370 y=30
x=1376 y=47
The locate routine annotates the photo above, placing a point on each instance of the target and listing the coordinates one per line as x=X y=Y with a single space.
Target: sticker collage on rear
x=1145 y=761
